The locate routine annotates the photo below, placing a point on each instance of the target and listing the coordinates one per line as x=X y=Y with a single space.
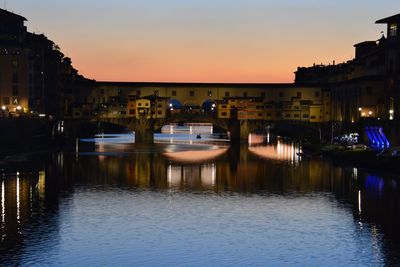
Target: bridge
x=145 y=128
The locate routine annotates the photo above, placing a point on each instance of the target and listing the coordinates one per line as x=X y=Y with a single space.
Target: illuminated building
x=366 y=86
x=34 y=73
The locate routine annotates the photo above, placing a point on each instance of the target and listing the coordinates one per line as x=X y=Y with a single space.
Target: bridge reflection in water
x=31 y=201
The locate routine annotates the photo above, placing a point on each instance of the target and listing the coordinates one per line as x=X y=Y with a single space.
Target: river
x=195 y=204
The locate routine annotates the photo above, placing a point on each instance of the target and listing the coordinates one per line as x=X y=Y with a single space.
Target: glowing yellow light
x=359 y=109
x=370 y=112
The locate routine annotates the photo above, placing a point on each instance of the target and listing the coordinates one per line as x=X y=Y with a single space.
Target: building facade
x=366 y=86
x=34 y=74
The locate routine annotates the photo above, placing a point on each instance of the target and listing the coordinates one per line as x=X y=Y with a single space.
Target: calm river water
x=171 y=204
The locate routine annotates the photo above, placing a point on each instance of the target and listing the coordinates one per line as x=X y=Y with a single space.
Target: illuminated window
x=393 y=30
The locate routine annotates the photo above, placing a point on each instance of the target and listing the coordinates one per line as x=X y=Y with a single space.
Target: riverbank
x=24 y=135
x=360 y=157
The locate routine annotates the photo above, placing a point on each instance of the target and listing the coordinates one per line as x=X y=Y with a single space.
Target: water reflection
x=282 y=150
x=364 y=206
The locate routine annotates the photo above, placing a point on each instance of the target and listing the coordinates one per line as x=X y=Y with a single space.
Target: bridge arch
x=174 y=103
x=209 y=105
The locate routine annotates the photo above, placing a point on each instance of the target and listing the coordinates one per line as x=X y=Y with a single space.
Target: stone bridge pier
x=240 y=129
x=144 y=130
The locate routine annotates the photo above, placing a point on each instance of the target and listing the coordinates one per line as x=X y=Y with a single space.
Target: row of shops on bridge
x=294 y=108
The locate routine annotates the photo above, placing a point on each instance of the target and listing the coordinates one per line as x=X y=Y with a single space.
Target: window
x=191 y=93
x=156 y=92
x=262 y=94
x=260 y=114
x=6 y=100
x=173 y=93
x=140 y=104
x=209 y=93
x=132 y=112
x=15 y=77
x=226 y=94
x=159 y=106
x=223 y=113
x=244 y=94
x=393 y=30
x=298 y=94
x=15 y=90
x=287 y=115
x=313 y=117
x=138 y=93
x=280 y=94
x=305 y=116
x=296 y=115
x=159 y=112
x=147 y=104
x=316 y=94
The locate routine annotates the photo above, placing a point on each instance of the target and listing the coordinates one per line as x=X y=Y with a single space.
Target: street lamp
x=3 y=108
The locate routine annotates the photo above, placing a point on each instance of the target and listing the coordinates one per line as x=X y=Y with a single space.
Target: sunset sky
x=203 y=40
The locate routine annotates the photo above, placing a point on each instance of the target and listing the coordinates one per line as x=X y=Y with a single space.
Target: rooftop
x=394 y=18
x=4 y=12
x=206 y=85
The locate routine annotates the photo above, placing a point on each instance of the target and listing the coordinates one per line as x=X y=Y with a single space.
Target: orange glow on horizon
x=203 y=41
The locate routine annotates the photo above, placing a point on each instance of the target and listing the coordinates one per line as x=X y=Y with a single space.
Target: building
x=289 y=102
x=33 y=72
x=366 y=86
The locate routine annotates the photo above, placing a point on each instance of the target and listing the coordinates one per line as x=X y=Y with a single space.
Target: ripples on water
x=128 y=205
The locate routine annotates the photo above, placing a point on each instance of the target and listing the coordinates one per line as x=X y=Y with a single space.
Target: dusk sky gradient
x=204 y=41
